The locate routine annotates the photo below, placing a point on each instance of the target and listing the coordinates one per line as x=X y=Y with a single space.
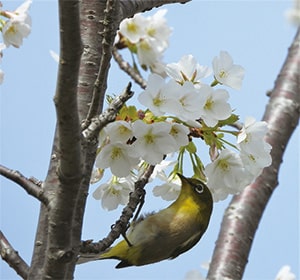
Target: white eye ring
x=199 y=188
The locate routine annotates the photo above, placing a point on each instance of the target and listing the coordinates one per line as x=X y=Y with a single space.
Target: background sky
x=257 y=36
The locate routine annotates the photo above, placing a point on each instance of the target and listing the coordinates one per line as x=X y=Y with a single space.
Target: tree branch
x=130 y=8
x=27 y=184
x=65 y=97
x=11 y=256
x=242 y=217
x=127 y=68
x=108 y=115
x=120 y=225
x=60 y=251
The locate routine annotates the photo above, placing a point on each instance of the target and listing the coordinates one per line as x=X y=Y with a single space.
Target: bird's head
x=196 y=189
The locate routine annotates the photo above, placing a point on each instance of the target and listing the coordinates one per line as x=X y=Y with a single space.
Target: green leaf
x=231 y=120
x=132 y=113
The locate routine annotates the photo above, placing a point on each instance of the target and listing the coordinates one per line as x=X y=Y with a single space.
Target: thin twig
x=108 y=115
x=127 y=68
x=29 y=185
x=11 y=256
x=120 y=226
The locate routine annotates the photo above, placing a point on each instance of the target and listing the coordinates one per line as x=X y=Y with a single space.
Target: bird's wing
x=188 y=244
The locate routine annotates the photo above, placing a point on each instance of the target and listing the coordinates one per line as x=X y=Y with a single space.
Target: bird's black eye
x=199 y=188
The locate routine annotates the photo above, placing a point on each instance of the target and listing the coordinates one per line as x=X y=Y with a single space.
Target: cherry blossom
x=18 y=26
x=158 y=29
x=187 y=69
x=159 y=97
x=115 y=192
x=226 y=175
x=226 y=72
x=153 y=141
x=169 y=190
x=134 y=28
x=215 y=105
x=118 y=157
x=119 y=131
x=251 y=135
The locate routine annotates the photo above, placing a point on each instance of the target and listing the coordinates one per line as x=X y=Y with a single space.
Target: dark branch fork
x=121 y=225
x=97 y=123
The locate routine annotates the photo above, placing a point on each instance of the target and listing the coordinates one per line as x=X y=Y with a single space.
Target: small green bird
x=167 y=233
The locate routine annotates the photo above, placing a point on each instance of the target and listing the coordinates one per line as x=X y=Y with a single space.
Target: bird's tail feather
x=84 y=258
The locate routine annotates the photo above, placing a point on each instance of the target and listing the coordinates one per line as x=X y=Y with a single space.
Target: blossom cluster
x=231 y=172
x=151 y=142
x=177 y=110
x=124 y=145
x=16 y=27
x=148 y=37
x=186 y=97
x=180 y=108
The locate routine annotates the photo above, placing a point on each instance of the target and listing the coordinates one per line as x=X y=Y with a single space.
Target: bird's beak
x=182 y=178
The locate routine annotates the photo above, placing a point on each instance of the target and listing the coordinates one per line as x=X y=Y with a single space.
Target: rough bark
x=87 y=30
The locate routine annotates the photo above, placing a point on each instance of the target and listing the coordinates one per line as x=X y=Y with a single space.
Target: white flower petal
x=18 y=26
x=119 y=131
x=187 y=69
x=226 y=72
x=285 y=274
x=134 y=28
x=169 y=190
x=114 y=193
x=226 y=174
x=118 y=157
